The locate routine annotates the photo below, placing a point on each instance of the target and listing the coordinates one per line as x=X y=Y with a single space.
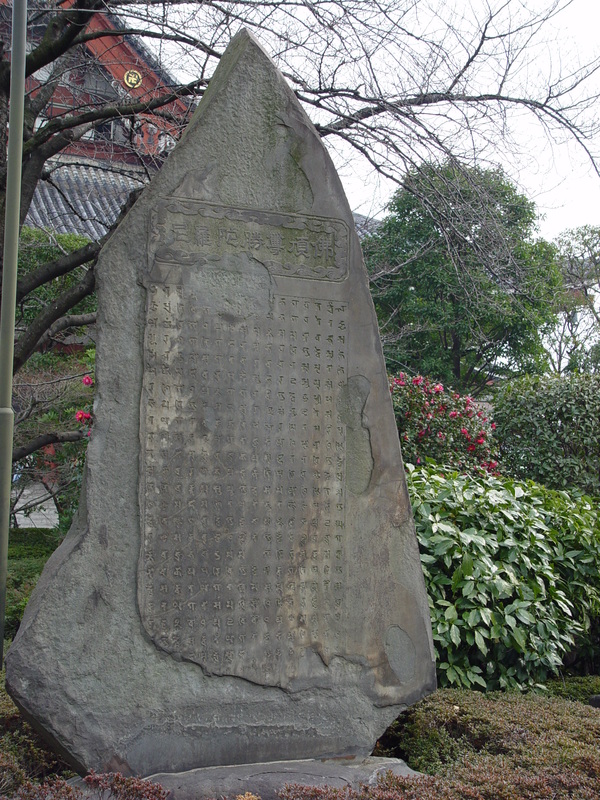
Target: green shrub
x=36 y=248
x=441 y=425
x=507 y=746
x=574 y=687
x=512 y=572
x=548 y=429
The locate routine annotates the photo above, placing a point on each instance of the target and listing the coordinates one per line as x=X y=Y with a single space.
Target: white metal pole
x=9 y=282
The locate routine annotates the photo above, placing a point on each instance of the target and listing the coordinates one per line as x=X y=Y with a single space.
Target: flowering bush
x=434 y=423
x=81 y=415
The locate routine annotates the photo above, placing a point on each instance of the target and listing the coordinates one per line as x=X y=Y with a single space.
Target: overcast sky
x=559 y=179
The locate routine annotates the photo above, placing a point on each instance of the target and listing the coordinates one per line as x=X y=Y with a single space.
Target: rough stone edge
x=267 y=779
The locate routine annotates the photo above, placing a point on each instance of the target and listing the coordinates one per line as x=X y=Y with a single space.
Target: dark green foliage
x=28 y=551
x=36 y=248
x=548 y=429
x=575 y=687
x=460 y=285
x=441 y=425
x=512 y=572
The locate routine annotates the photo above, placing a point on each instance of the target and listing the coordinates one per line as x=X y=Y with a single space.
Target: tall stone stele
x=242 y=582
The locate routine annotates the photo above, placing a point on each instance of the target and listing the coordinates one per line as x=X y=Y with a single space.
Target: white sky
x=559 y=179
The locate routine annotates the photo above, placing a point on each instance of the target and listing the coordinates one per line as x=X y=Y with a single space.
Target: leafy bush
x=574 y=687
x=512 y=571
x=36 y=248
x=434 y=423
x=548 y=429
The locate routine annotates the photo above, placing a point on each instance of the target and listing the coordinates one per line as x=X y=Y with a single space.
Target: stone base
x=265 y=780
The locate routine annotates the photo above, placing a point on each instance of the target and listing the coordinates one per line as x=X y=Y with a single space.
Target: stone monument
x=242 y=582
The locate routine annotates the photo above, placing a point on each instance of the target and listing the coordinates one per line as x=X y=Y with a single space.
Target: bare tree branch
x=62 y=324
x=44 y=440
x=30 y=340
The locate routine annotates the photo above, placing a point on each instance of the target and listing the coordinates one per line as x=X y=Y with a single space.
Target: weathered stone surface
x=266 y=780
x=242 y=583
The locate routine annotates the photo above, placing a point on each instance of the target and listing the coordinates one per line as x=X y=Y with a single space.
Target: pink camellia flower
x=453 y=414
x=470 y=448
x=481 y=440
x=417 y=380
x=87 y=380
x=437 y=388
x=80 y=416
x=493 y=426
x=465 y=432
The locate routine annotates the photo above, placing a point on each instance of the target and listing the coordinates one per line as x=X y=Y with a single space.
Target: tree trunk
x=456 y=358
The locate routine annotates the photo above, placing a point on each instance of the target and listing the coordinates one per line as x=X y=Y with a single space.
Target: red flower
x=493 y=426
x=87 y=380
x=453 y=414
x=417 y=380
x=437 y=388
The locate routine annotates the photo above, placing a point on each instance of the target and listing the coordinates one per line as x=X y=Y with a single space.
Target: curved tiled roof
x=83 y=197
